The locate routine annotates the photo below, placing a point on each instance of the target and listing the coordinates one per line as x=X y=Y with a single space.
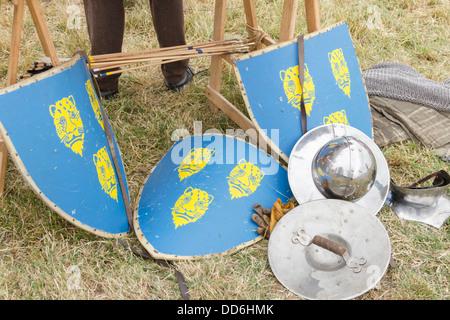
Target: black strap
x=301 y=75
x=441 y=179
x=143 y=252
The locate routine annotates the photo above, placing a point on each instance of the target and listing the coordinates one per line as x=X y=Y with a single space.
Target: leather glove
x=267 y=218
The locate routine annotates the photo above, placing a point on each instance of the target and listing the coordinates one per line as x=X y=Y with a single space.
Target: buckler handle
x=354 y=263
x=329 y=245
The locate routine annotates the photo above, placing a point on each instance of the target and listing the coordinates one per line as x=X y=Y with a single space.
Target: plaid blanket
x=394 y=121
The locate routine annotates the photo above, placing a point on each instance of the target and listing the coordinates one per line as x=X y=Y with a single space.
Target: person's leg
x=105 y=22
x=168 y=20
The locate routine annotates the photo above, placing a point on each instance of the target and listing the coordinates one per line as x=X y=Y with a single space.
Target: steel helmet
x=344 y=168
x=337 y=161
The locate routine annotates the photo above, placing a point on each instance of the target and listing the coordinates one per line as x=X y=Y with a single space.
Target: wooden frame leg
x=11 y=77
x=44 y=36
x=288 y=20
x=16 y=34
x=41 y=27
x=217 y=101
x=216 y=61
x=312 y=15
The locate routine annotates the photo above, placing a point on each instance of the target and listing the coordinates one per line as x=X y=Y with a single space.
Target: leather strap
x=145 y=255
x=109 y=138
x=441 y=179
x=143 y=252
x=301 y=75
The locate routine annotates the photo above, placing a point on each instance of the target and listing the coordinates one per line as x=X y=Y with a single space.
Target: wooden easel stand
x=217 y=100
x=37 y=15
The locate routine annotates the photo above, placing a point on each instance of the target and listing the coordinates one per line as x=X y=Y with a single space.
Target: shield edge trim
x=21 y=167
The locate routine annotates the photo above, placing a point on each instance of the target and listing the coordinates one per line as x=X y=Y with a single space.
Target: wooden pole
x=16 y=34
x=312 y=15
x=44 y=36
x=41 y=27
x=288 y=20
x=216 y=62
x=11 y=77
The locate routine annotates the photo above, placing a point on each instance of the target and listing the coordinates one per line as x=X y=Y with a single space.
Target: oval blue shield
x=199 y=199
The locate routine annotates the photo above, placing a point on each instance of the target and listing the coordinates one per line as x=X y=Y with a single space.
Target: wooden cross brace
x=218 y=101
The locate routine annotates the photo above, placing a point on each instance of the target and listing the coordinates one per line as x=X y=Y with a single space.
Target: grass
x=42 y=256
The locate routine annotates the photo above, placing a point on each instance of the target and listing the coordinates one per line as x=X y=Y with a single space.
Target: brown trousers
x=106 y=21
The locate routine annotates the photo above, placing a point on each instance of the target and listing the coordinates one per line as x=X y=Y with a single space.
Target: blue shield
x=199 y=199
x=54 y=129
x=333 y=89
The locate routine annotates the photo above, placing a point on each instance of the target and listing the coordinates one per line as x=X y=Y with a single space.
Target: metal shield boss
x=337 y=161
x=329 y=249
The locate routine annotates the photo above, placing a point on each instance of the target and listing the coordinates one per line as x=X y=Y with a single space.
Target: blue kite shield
x=199 y=199
x=53 y=126
x=333 y=89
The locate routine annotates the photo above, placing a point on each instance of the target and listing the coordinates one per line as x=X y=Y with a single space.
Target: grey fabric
x=395 y=121
x=401 y=82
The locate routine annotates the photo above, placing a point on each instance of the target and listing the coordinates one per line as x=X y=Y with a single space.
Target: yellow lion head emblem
x=105 y=172
x=292 y=87
x=194 y=162
x=244 y=179
x=340 y=70
x=191 y=206
x=94 y=102
x=69 y=126
x=336 y=117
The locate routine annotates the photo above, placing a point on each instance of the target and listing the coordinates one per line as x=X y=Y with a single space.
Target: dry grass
x=41 y=254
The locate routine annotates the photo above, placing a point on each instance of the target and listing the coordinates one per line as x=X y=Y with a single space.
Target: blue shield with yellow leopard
x=333 y=89
x=198 y=200
x=55 y=132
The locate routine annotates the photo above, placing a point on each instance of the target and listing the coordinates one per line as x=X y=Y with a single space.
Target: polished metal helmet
x=344 y=168
x=337 y=161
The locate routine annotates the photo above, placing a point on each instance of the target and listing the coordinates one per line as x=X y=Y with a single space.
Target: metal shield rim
x=306 y=148
x=308 y=207
x=21 y=167
x=159 y=255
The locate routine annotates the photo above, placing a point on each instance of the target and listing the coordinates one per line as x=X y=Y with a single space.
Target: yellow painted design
x=106 y=173
x=320 y=171
x=194 y=162
x=68 y=124
x=190 y=206
x=340 y=70
x=336 y=117
x=244 y=179
x=94 y=102
x=292 y=87
x=332 y=145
